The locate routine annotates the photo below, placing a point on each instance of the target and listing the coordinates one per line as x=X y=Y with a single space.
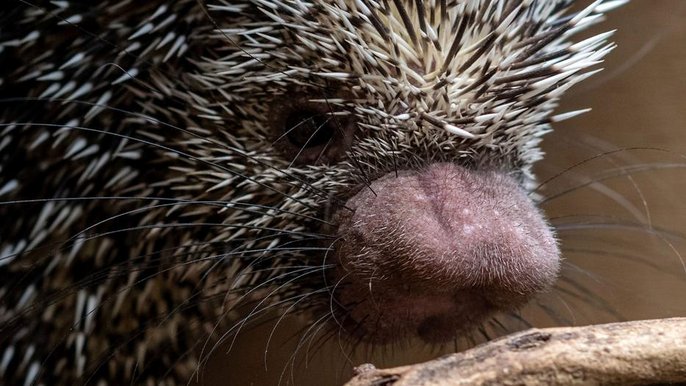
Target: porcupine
x=368 y=161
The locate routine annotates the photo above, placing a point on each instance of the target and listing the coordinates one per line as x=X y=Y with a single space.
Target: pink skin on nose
x=433 y=252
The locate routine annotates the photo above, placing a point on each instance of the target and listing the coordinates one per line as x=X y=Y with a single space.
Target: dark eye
x=309 y=131
x=309 y=128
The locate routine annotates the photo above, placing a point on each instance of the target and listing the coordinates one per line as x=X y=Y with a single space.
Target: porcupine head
x=414 y=126
x=368 y=161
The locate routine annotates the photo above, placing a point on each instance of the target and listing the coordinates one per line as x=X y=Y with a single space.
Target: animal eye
x=309 y=132
x=309 y=128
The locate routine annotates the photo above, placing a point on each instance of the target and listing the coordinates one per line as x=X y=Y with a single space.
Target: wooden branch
x=630 y=353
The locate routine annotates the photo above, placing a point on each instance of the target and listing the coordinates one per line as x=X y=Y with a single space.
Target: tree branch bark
x=630 y=353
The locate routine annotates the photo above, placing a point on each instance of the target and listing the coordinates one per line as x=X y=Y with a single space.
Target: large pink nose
x=433 y=252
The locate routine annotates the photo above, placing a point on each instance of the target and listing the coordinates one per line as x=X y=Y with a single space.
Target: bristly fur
x=142 y=192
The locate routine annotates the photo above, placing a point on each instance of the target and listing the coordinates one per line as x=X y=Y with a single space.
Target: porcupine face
x=364 y=159
x=415 y=128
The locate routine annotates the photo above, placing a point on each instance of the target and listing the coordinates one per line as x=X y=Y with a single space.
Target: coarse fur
x=151 y=180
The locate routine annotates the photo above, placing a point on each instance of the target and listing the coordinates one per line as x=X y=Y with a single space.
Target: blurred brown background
x=619 y=231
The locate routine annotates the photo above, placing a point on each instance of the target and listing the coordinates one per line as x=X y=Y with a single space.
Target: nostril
x=435 y=328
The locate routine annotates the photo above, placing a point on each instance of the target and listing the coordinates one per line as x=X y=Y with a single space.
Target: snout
x=436 y=251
